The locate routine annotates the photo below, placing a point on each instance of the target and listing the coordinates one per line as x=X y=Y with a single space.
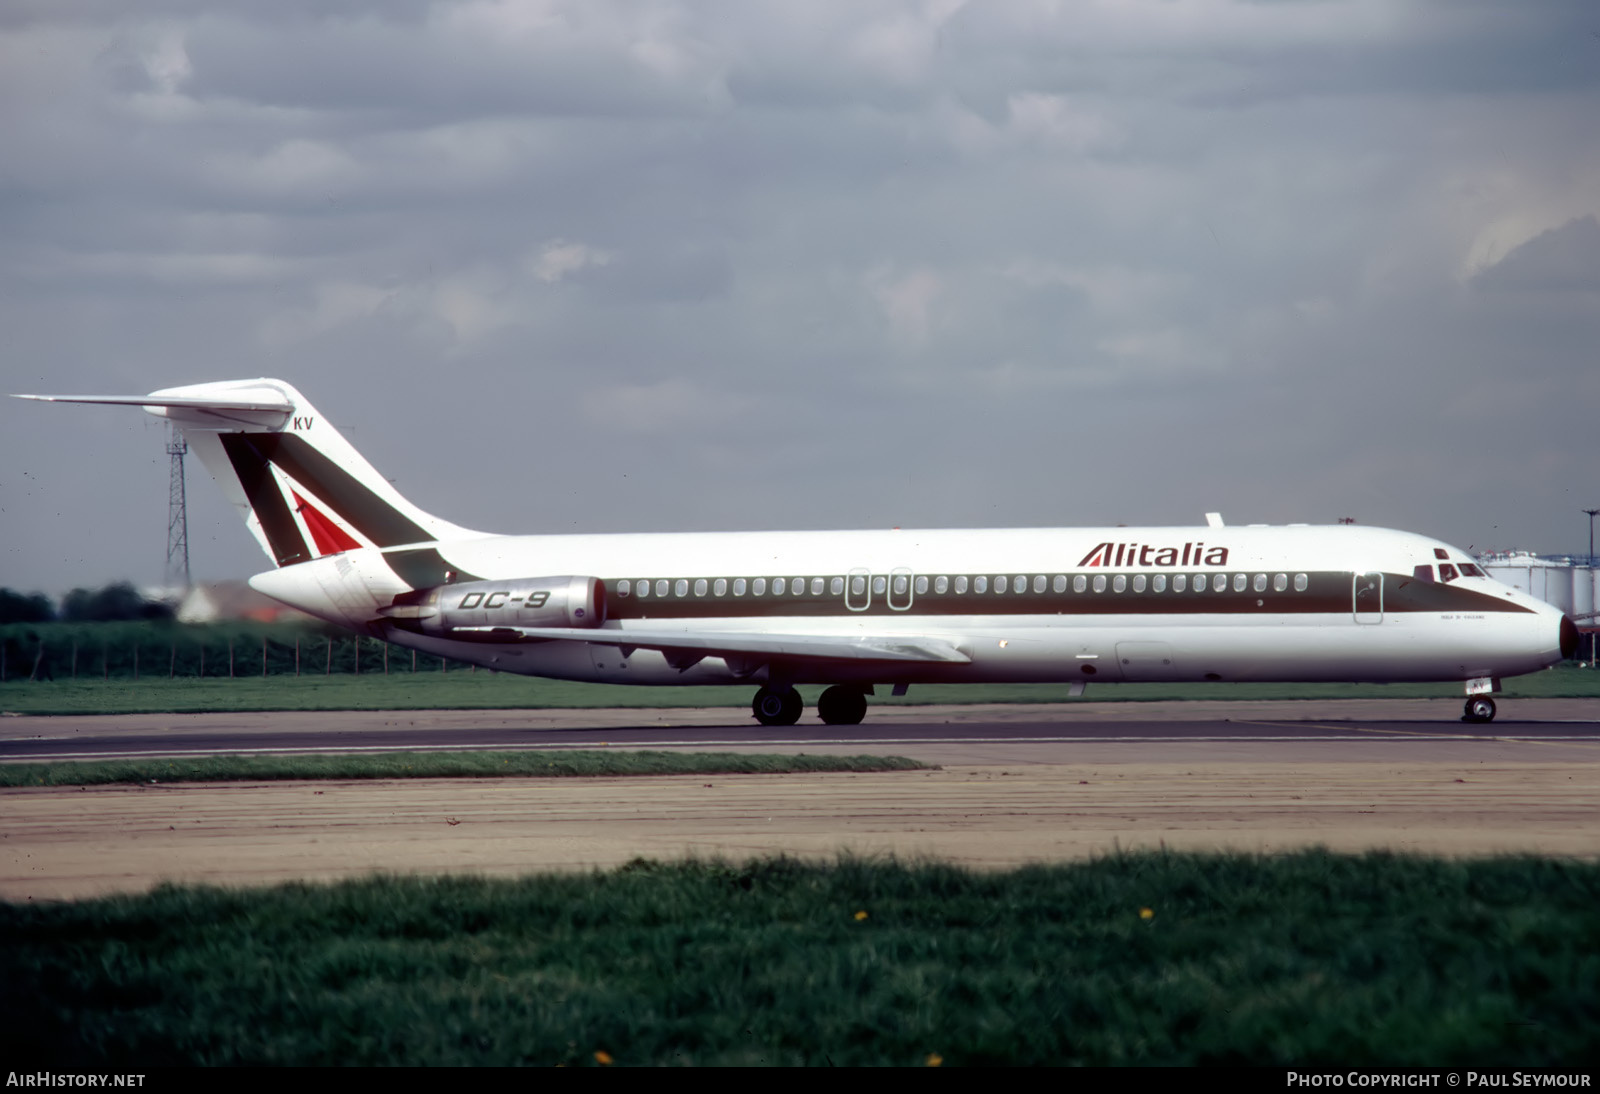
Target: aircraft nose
x=1569 y=638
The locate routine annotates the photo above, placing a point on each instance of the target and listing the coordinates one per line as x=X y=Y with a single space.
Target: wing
x=686 y=648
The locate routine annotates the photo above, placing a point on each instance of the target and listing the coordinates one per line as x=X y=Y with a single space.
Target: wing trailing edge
x=896 y=648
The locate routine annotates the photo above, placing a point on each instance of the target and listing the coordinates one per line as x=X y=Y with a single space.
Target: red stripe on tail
x=328 y=536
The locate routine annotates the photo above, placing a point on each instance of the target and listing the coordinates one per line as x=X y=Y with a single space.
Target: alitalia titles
x=1148 y=554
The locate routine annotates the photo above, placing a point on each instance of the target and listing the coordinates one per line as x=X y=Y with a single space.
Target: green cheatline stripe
x=371 y=515
x=266 y=500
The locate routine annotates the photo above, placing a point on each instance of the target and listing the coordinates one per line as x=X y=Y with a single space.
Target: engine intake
x=522 y=602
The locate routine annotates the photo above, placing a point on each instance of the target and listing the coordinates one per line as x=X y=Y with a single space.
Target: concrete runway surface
x=1016 y=785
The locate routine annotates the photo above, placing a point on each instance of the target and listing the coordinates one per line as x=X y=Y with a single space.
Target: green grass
x=461 y=690
x=437 y=765
x=1313 y=959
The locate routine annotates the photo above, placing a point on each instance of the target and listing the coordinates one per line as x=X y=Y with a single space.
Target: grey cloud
x=1564 y=259
x=680 y=266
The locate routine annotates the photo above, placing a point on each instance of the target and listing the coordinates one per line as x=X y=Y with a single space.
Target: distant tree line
x=117 y=602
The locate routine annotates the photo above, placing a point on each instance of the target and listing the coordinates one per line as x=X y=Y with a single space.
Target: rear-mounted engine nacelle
x=522 y=602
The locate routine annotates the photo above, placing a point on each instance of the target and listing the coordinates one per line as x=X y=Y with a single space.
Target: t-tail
x=303 y=490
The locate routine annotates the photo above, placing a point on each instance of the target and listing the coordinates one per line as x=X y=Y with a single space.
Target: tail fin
x=303 y=490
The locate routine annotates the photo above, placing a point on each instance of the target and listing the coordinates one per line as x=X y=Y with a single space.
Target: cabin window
x=1180 y=582
x=1300 y=582
x=1447 y=572
x=662 y=585
x=623 y=587
x=779 y=586
x=1079 y=583
x=1059 y=584
x=700 y=586
x=758 y=587
x=1219 y=582
x=738 y=586
x=1039 y=583
x=1138 y=583
x=879 y=584
x=1119 y=583
x=680 y=587
x=1423 y=573
x=980 y=584
x=961 y=584
x=1000 y=584
x=817 y=584
x=1158 y=584
x=1261 y=583
x=922 y=585
x=836 y=585
x=644 y=588
x=721 y=587
x=1280 y=582
x=900 y=585
x=1469 y=570
x=941 y=584
x=1099 y=583
x=858 y=585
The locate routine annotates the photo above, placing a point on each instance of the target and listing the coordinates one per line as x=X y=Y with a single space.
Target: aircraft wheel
x=777 y=707
x=842 y=706
x=1479 y=709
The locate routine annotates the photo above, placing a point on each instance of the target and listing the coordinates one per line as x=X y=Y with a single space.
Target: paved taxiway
x=1018 y=784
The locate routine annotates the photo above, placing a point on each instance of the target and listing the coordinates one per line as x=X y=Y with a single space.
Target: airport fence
x=169 y=650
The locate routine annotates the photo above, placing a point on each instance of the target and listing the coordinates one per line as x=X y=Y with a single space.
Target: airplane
x=852 y=610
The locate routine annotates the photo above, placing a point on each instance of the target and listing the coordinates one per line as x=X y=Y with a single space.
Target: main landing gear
x=838 y=706
x=777 y=706
x=1480 y=708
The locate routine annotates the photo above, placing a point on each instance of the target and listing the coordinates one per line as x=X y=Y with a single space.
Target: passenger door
x=1366 y=597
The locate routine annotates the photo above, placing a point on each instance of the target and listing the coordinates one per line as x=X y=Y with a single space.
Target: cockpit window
x=1423 y=573
x=1447 y=572
x=1439 y=552
x=1469 y=570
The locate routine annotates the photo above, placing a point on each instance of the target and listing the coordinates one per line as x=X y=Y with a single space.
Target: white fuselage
x=848 y=609
x=1298 y=603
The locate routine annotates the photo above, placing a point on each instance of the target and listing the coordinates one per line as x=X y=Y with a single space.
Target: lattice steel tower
x=177 y=514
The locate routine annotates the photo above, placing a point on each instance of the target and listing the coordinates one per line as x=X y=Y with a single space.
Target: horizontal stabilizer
x=280 y=404
x=303 y=491
x=224 y=408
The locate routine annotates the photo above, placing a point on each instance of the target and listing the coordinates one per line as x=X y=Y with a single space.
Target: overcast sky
x=595 y=266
